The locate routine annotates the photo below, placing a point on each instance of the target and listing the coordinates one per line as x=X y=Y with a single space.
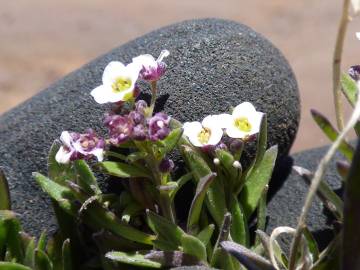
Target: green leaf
x=42 y=241
x=239 y=228
x=56 y=171
x=246 y=257
x=123 y=170
x=42 y=261
x=66 y=255
x=86 y=178
x=330 y=257
x=171 y=141
x=330 y=199
x=205 y=235
x=12 y=266
x=30 y=254
x=311 y=244
x=193 y=246
x=215 y=199
x=62 y=195
x=227 y=161
x=165 y=230
x=135 y=259
x=261 y=214
x=196 y=205
x=12 y=229
x=173 y=259
x=224 y=234
x=257 y=180
x=133 y=157
x=261 y=142
x=346 y=149
x=349 y=88
x=5 y=201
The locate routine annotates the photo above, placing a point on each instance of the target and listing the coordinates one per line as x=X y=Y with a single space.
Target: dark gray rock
x=214 y=64
x=286 y=203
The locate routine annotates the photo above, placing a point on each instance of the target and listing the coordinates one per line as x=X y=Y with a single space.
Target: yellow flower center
x=204 y=135
x=243 y=124
x=121 y=84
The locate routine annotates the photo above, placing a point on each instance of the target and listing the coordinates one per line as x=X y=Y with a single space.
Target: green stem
x=337 y=64
x=153 y=85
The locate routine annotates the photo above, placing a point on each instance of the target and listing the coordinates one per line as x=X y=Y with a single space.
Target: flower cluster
x=119 y=80
x=137 y=126
x=241 y=124
x=76 y=146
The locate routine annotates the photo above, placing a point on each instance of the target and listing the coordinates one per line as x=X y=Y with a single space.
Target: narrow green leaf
x=311 y=244
x=346 y=149
x=349 y=88
x=57 y=192
x=30 y=254
x=123 y=170
x=330 y=257
x=193 y=246
x=12 y=266
x=196 y=205
x=205 y=235
x=218 y=257
x=42 y=242
x=261 y=142
x=133 y=157
x=174 y=259
x=257 y=180
x=246 y=257
x=66 y=255
x=227 y=161
x=261 y=214
x=171 y=141
x=42 y=261
x=135 y=259
x=165 y=230
x=239 y=228
x=86 y=178
x=13 y=238
x=351 y=236
x=5 y=200
x=330 y=199
x=215 y=199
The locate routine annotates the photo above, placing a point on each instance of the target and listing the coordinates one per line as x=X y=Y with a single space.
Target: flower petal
x=255 y=121
x=65 y=138
x=99 y=154
x=233 y=132
x=218 y=121
x=102 y=94
x=243 y=109
x=63 y=156
x=216 y=135
x=144 y=60
x=113 y=70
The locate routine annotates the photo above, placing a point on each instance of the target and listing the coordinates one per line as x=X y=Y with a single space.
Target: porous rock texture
x=288 y=198
x=214 y=64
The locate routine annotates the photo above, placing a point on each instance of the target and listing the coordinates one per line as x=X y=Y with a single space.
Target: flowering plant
x=139 y=225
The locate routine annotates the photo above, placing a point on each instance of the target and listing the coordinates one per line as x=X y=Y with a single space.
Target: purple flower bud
x=166 y=165
x=120 y=128
x=136 y=117
x=159 y=126
x=236 y=145
x=354 y=72
x=139 y=133
x=140 y=106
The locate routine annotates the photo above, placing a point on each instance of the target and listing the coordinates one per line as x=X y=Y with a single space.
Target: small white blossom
x=208 y=132
x=118 y=83
x=244 y=121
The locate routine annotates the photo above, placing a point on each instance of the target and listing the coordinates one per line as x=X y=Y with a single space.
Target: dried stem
x=316 y=182
x=337 y=64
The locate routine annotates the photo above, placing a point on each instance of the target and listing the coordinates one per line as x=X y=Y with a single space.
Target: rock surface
x=214 y=64
x=285 y=206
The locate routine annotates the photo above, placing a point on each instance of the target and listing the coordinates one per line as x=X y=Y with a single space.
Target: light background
x=42 y=40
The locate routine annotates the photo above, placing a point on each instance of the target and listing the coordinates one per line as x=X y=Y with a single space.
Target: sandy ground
x=41 y=41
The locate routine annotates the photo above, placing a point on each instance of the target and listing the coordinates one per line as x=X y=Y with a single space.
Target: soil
x=42 y=40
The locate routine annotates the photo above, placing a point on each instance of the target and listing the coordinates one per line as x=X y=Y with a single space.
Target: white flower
x=151 y=69
x=118 y=83
x=244 y=121
x=208 y=132
x=356 y=5
x=358 y=35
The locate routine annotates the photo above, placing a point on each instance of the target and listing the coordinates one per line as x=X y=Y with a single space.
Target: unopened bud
x=216 y=161
x=237 y=164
